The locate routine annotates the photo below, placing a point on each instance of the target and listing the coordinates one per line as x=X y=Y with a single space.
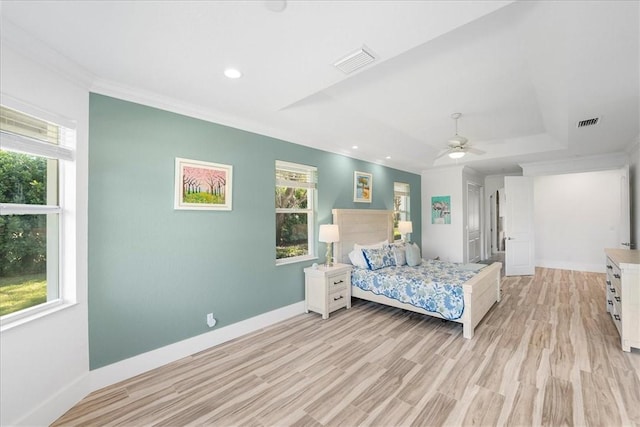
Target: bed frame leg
x=467 y=331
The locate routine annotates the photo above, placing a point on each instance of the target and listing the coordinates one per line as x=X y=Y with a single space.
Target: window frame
x=63 y=246
x=312 y=197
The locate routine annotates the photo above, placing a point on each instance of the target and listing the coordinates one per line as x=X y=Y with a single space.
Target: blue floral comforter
x=434 y=286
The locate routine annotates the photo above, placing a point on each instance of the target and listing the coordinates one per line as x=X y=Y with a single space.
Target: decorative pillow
x=413 y=255
x=379 y=258
x=399 y=253
x=357 y=258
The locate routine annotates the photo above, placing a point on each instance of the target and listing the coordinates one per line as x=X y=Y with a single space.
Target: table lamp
x=328 y=234
x=405 y=227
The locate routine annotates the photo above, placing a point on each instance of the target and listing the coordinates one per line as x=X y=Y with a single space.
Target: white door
x=474 y=243
x=625 y=220
x=520 y=254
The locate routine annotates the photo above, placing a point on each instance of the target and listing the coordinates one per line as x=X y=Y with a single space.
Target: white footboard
x=480 y=293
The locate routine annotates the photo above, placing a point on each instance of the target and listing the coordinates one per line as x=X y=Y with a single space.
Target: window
x=32 y=163
x=401 y=206
x=295 y=200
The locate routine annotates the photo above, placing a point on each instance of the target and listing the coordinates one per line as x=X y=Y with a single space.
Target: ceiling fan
x=458 y=145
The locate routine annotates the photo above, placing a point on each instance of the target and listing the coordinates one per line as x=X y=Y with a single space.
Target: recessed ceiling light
x=355 y=147
x=232 y=73
x=388 y=157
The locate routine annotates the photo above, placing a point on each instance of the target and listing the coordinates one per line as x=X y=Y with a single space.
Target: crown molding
x=576 y=165
x=36 y=50
x=154 y=100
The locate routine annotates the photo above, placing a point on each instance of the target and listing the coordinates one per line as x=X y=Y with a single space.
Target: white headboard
x=363 y=226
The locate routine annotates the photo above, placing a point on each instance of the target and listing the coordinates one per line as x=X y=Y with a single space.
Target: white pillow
x=413 y=255
x=357 y=257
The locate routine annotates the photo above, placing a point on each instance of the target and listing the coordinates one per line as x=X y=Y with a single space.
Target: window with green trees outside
x=30 y=210
x=401 y=206
x=295 y=196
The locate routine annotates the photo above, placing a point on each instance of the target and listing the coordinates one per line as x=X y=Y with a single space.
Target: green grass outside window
x=20 y=292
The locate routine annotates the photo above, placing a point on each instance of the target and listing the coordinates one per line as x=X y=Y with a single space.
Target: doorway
x=474 y=223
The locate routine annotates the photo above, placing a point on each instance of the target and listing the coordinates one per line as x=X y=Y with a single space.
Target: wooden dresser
x=623 y=294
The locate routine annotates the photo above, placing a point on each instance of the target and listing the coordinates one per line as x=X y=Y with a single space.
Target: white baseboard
x=136 y=365
x=57 y=405
x=54 y=407
x=575 y=266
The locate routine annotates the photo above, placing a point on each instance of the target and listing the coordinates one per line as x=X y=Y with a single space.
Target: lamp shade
x=405 y=227
x=329 y=233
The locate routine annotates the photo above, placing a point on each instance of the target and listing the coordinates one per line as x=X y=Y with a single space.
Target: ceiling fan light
x=458 y=154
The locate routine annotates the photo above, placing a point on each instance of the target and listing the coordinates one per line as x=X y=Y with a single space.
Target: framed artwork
x=441 y=210
x=202 y=185
x=362 y=187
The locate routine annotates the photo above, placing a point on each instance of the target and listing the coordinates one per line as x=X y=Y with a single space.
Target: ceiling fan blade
x=441 y=154
x=475 y=151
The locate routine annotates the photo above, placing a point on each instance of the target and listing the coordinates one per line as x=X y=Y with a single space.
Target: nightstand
x=327 y=289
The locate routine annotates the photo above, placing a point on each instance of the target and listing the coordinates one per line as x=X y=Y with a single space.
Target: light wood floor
x=547 y=354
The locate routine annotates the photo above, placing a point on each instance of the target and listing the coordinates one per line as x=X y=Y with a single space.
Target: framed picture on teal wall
x=202 y=185
x=362 y=187
x=441 y=210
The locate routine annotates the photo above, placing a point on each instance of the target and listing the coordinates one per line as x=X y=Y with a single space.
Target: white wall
x=634 y=193
x=590 y=229
x=45 y=361
x=443 y=240
x=576 y=217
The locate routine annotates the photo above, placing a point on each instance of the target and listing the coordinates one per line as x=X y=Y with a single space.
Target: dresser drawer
x=609 y=302
x=617 y=317
x=338 y=282
x=615 y=270
x=337 y=299
x=617 y=306
x=614 y=275
x=613 y=289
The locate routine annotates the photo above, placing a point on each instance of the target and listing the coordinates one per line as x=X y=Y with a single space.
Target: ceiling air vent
x=588 y=122
x=354 y=61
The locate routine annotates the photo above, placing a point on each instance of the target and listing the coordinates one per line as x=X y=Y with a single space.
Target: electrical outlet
x=211 y=321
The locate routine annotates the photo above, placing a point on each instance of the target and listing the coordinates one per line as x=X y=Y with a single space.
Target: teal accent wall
x=155 y=272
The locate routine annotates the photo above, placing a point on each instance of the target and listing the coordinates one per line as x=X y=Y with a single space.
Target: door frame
x=481 y=220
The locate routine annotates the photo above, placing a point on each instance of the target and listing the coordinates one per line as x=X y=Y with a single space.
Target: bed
x=477 y=288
